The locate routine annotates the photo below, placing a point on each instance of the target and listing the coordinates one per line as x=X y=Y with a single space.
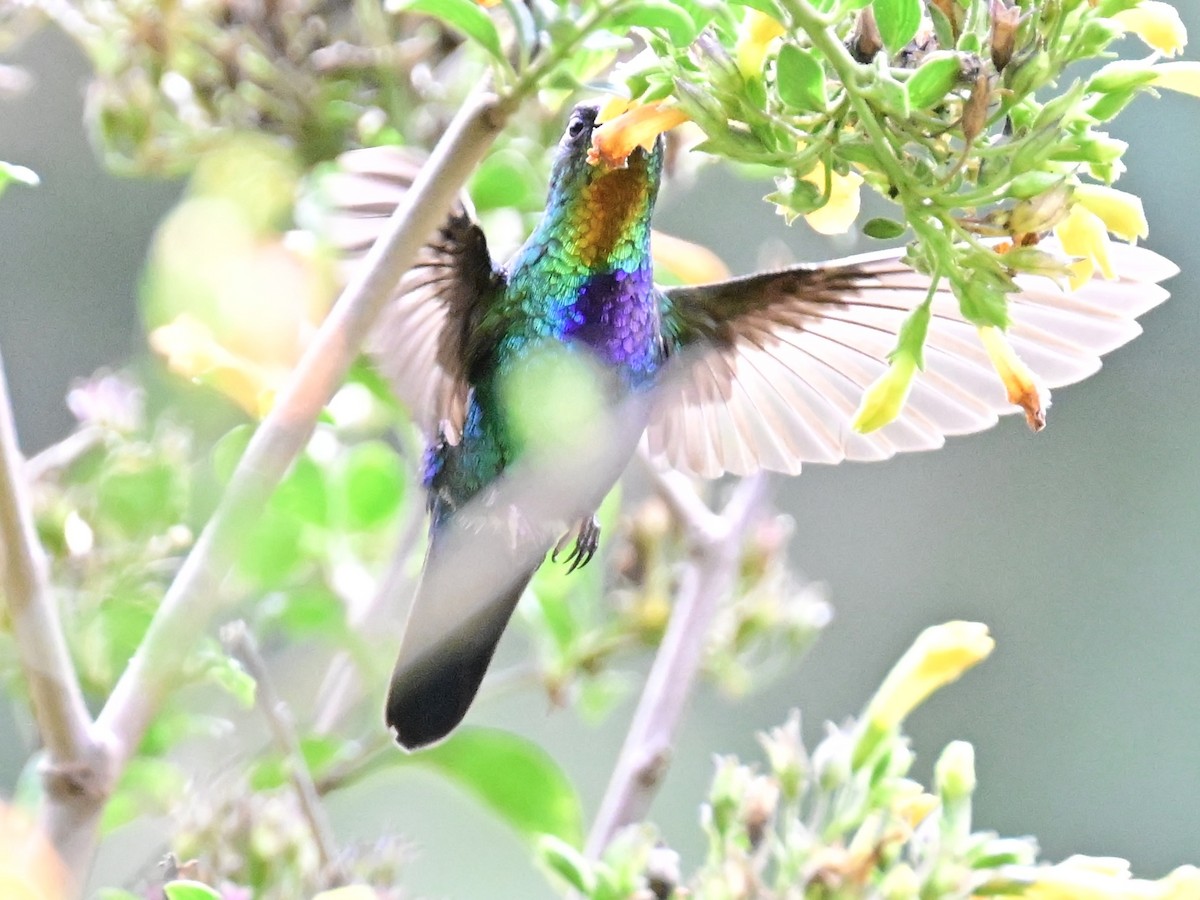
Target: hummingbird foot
x=587 y=540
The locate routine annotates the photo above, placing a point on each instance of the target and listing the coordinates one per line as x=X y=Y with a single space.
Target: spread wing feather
x=424 y=339
x=777 y=363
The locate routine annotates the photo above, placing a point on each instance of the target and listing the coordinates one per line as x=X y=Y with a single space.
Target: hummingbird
x=760 y=372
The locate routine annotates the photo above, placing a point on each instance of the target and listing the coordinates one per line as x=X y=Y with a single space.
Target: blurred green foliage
x=967 y=122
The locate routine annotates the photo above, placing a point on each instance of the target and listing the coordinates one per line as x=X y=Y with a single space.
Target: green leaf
x=148 y=787
x=307 y=610
x=373 y=484
x=795 y=197
x=189 y=890
x=678 y=25
x=303 y=493
x=463 y=15
x=800 y=78
x=229 y=675
x=934 y=78
x=14 y=174
x=898 y=21
x=506 y=179
x=884 y=229
x=567 y=863
x=513 y=777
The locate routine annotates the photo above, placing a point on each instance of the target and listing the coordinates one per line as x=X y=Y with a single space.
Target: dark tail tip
x=427 y=702
x=431 y=694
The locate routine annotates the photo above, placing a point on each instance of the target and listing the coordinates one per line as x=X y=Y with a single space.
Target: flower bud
x=787 y=756
x=1040 y=213
x=885 y=397
x=954 y=773
x=1005 y=20
x=831 y=759
x=939 y=656
x=1023 y=387
x=662 y=871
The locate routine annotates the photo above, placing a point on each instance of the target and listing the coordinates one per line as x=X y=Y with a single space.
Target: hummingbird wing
x=778 y=362
x=423 y=340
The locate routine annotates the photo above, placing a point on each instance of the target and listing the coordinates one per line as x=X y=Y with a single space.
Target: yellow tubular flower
x=624 y=126
x=29 y=867
x=884 y=398
x=1022 y=385
x=193 y=351
x=1082 y=233
x=1121 y=212
x=1108 y=878
x=754 y=37
x=689 y=263
x=1157 y=24
x=939 y=656
x=839 y=213
x=1178 y=76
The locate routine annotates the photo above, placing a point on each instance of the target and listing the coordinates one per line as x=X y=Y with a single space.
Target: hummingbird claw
x=587 y=540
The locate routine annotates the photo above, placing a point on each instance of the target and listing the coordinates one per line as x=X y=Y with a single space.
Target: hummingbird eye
x=575 y=129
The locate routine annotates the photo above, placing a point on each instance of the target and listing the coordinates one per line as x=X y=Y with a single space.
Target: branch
x=194 y=596
x=240 y=643
x=646 y=753
x=75 y=765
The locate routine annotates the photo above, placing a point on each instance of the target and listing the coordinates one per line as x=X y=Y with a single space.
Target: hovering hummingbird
x=770 y=367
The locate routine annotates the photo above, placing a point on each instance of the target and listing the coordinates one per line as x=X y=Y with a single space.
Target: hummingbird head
x=597 y=211
x=574 y=171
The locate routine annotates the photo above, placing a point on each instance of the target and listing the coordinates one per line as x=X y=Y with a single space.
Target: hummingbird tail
x=432 y=690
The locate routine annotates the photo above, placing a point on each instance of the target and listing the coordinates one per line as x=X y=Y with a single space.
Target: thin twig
x=75 y=766
x=65 y=453
x=240 y=643
x=358 y=764
x=645 y=755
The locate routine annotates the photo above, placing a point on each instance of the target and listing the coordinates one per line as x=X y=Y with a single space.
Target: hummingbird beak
x=623 y=131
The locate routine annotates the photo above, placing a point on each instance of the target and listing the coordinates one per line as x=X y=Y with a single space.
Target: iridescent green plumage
x=764 y=372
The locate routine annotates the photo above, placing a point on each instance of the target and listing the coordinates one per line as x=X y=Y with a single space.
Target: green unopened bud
x=883 y=400
x=831 y=759
x=1120 y=75
x=1037 y=262
x=1030 y=184
x=1095 y=36
x=725 y=797
x=954 y=773
x=1028 y=74
x=900 y=883
x=1097 y=150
